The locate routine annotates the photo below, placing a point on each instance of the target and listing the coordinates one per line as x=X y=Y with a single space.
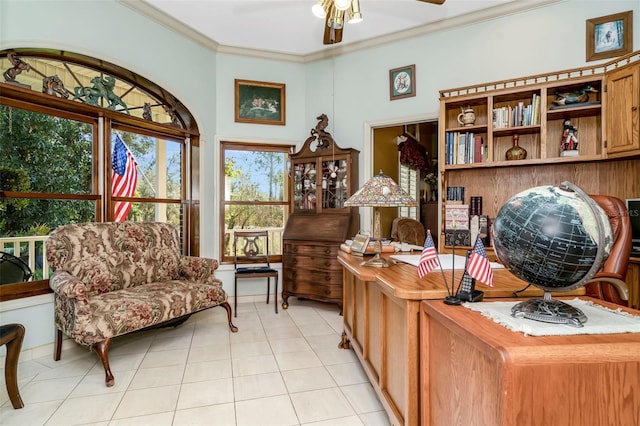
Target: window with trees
x=98 y=144
x=254 y=193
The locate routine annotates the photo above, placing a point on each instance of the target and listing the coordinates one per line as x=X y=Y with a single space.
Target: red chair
x=609 y=282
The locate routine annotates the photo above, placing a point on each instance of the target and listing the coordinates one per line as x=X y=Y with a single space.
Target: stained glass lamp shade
x=379 y=191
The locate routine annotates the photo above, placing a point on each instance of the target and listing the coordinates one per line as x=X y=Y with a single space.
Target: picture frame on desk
x=360 y=244
x=260 y=102
x=609 y=36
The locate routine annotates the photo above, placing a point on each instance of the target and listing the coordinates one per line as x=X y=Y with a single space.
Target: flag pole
x=451 y=299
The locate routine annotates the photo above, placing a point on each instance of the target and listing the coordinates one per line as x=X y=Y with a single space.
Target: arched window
x=85 y=140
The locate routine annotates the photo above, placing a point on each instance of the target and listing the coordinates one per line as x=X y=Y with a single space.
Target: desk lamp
x=379 y=191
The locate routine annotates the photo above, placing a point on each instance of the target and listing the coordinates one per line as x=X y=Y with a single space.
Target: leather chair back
x=615 y=268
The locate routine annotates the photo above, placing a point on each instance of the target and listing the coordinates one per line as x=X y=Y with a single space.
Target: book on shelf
x=456 y=216
x=517 y=115
x=478 y=149
x=464 y=148
x=455 y=193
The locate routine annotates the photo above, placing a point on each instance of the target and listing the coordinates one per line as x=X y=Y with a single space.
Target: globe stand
x=549 y=310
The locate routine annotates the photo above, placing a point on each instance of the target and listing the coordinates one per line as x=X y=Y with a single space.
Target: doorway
x=409 y=174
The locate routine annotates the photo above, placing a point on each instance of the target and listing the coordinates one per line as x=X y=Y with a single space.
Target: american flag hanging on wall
x=124 y=178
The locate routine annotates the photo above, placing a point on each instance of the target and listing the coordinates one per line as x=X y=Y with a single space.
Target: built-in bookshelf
x=530 y=109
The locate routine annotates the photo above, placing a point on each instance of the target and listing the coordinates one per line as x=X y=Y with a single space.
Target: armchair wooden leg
x=57 y=350
x=12 y=336
x=226 y=305
x=102 y=350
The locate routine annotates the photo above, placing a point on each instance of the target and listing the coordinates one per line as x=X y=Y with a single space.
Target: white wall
x=540 y=40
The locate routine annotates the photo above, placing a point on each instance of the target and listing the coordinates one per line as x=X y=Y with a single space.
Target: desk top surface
x=401 y=280
x=518 y=347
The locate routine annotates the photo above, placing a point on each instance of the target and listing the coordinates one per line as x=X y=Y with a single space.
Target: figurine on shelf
x=576 y=97
x=569 y=142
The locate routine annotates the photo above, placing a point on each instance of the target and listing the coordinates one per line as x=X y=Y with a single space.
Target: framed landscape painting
x=609 y=36
x=259 y=102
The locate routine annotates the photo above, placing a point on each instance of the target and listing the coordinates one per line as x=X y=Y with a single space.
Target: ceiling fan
x=334 y=13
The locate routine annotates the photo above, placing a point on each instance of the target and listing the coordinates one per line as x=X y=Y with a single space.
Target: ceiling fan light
x=354 y=13
x=342 y=4
x=354 y=18
x=320 y=9
x=336 y=20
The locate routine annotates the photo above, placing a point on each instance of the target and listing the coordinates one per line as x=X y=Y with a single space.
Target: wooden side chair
x=252 y=247
x=12 y=336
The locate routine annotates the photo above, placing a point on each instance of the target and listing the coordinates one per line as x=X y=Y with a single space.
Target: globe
x=555 y=238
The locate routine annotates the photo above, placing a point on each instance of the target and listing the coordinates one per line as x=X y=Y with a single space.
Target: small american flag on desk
x=428 y=258
x=478 y=266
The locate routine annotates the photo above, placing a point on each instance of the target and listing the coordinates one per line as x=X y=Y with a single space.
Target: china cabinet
x=323 y=177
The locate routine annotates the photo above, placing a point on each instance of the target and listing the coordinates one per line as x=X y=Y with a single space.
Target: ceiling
x=289 y=27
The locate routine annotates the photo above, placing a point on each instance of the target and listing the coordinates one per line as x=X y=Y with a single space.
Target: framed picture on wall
x=260 y=102
x=609 y=36
x=402 y=82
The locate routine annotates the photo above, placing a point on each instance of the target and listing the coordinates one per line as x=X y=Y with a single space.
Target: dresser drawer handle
x=327 y=250
x=327 y=278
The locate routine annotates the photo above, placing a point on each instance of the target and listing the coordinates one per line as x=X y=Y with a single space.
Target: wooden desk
x=382 y=324
x=477 y=372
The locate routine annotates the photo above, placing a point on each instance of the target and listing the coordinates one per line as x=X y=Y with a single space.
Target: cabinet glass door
x=334 y=183
x=304 y=186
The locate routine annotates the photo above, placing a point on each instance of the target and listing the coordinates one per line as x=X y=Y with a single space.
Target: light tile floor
x=278 y=369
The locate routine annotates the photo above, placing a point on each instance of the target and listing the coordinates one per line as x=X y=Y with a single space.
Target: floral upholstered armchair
x=111 y=279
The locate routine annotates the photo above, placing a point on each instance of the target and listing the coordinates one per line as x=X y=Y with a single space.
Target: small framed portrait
x=260 y=102
x=609 y=36
x=402 y=82
x=412 y=130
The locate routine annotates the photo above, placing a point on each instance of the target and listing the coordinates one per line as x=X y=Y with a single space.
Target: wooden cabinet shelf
x=606 y=124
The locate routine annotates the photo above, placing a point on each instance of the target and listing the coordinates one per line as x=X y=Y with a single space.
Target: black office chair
x=13 y=269
x=253 y=247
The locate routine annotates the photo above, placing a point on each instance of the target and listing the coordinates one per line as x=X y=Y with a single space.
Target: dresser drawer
x=302 y=288
x=317 y=277
x=311 y=250
x=306 y=263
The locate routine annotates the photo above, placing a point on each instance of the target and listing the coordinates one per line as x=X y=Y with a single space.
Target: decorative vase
x=516 y=152
x=427 y=193
x=434 y=193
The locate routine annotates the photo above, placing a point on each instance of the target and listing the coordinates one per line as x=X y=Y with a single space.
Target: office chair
x=253 y=247
x=13 y=269
x=609 y=282
x=407 y=230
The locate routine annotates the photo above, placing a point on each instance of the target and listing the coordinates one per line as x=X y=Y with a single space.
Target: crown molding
x=494 y=12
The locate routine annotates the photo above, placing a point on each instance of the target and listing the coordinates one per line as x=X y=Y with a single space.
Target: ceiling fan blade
x=331 y=35
x=433 y=1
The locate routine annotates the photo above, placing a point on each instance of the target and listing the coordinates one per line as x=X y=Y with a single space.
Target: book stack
x=455 y=194
x=464 y=148
x=517 y=115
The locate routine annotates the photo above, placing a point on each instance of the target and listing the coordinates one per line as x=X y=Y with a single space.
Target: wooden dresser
x=310 y=267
